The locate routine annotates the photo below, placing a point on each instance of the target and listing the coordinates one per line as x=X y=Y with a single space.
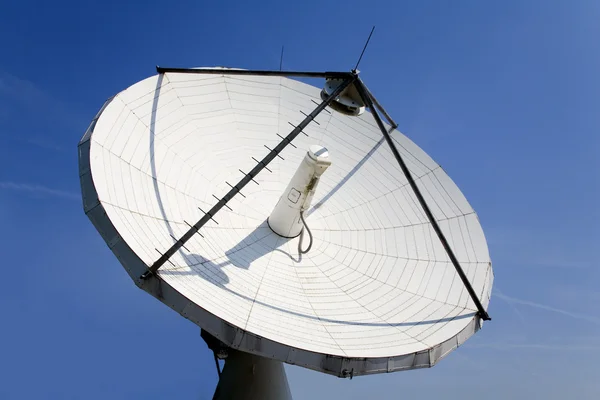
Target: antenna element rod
x=369 y=102
x=364 y=48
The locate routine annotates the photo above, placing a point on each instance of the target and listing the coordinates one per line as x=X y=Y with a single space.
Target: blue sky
x=504 y=95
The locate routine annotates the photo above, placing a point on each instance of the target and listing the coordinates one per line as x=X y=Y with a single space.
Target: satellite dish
x=210 y=184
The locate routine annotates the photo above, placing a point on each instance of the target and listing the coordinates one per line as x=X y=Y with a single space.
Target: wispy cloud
x=44 y=143
x=498 y=293
x=19 y=96
x=39 y=190
x=514 y=300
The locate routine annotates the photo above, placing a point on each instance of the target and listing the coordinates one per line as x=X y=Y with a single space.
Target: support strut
x=230 y=71
x=368 y=100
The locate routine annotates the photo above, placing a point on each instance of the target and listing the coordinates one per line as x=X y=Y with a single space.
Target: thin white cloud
x=18 y=96
x=44 y=144
x=514 y=300
x=498 y=293
x=39 y=190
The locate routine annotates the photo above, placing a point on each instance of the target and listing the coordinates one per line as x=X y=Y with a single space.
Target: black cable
x=302 y=236
x=217 y=364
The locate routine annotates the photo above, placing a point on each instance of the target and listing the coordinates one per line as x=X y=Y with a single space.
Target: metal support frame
x=369 y=101
x=250 y=175
x=226 y=71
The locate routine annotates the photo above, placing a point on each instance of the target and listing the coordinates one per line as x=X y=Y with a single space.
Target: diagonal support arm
x=367 y=98
x=380 y=107
x=246 y=179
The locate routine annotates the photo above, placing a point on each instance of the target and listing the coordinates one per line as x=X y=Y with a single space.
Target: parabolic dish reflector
x=376 y=293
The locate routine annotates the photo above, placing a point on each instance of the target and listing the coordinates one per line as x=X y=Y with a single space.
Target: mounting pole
x=250 y=377
x=247 y=177
x=366 y=97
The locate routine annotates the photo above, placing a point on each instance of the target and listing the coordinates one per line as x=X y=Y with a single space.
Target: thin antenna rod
x=364 y=48
x=281 y=59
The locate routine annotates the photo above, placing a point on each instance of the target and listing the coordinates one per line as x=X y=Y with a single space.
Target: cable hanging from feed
x=310 y=236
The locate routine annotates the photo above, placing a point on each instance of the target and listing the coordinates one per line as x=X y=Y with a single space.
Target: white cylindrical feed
x=285 y=218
